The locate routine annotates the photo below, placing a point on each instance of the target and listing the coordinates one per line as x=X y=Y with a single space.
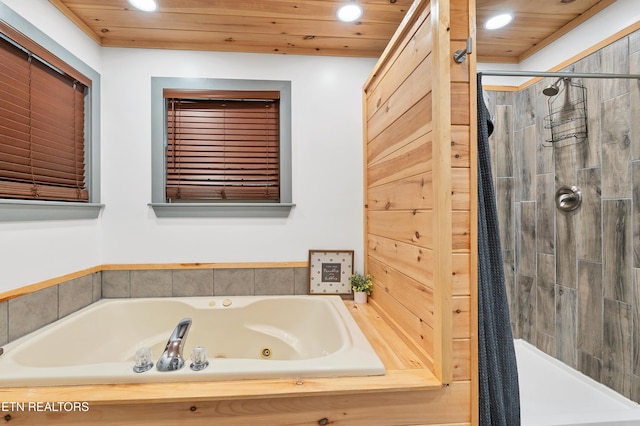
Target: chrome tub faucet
x=171 y=359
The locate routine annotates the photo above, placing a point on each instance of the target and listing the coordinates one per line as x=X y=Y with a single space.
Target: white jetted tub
x=246 y=338
x=553 y=394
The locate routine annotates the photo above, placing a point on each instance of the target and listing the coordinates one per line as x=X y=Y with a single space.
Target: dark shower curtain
x=499 y=396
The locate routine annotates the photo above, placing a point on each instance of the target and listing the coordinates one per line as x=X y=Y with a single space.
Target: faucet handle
x=143 y=360
x=199 y=357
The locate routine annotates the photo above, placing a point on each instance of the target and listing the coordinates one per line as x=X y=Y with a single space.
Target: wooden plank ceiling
x=536 y=24
x=309 y=27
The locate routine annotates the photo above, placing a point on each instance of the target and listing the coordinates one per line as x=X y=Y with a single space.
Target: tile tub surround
x=573 y=279
x=205 y=282
x=29 y=312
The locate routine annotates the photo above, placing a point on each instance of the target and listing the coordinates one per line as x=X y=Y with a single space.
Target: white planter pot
x=360 y=297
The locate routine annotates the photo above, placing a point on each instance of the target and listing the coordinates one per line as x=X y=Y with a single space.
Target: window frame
x=14 y=210
x=161 y=207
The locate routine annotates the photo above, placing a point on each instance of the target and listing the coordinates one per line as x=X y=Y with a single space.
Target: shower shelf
x=568 y=113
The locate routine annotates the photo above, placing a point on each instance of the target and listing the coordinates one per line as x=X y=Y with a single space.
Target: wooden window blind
x=41 y=126
x=222 y=146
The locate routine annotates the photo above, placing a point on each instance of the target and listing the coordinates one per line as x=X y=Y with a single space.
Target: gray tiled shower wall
x=573 y=278
x=29 y=312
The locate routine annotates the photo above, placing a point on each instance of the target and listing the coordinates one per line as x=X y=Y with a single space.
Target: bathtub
x=551 y=393
x=267 y=337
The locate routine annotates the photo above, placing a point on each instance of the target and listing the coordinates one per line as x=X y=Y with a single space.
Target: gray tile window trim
x=158 y=200
x=17 y=210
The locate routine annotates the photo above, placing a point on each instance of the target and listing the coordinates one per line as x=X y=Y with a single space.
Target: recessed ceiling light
x=349 y=12
x=146 y=5
x=498 y=21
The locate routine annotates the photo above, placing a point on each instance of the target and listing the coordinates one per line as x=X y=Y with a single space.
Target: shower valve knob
x=568 y=198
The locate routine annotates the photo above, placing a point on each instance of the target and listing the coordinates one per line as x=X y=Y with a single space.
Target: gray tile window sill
x=29 y=210
x=222 y=210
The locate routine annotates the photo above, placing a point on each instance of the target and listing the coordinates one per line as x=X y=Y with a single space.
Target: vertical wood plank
x=527 y=240
x=616 y=148
x=566 y=324
x=617 y=346
x=589 y=216
x=526 y=320
x=442 y=118
x=566 y=272
x=636 y=212
x=545 y=213
x=635 y=333
x=617 y=233
x=590 y=308
x=545 y=303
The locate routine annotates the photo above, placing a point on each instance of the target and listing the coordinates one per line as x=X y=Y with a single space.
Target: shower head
x=551 y=90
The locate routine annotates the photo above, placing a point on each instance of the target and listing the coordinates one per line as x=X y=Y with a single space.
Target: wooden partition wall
x=418 y=183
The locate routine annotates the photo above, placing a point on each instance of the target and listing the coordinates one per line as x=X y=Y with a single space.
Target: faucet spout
x=171 y=359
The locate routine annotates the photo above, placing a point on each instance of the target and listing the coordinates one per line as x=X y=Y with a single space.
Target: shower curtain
x=499 y=396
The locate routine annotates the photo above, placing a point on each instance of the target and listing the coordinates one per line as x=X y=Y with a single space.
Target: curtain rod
x=555 y=74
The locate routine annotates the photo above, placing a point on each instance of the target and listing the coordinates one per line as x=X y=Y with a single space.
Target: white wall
x=43 y=15
x=327 y=165
x=31 y=252
x=326 y=155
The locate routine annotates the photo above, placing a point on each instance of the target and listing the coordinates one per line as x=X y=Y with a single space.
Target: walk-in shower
x=570 y=271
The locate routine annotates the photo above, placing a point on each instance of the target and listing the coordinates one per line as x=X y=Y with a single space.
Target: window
x=221 y=147
x=41 y=129
x=48 y=136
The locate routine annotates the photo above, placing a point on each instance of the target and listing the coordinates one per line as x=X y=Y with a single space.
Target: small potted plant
x=361 y=286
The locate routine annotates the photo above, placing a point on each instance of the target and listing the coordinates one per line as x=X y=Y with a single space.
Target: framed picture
x=329 y=271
